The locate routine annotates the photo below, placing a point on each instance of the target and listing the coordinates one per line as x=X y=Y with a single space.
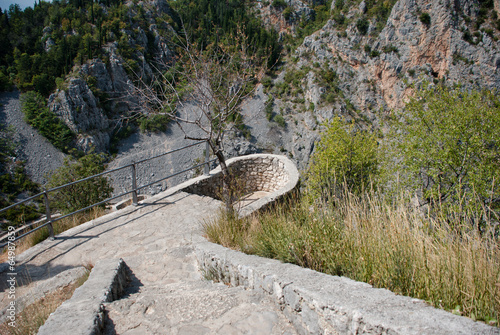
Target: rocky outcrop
x=285 y=20
x=98 y=94
x=373 y=73
x=78 y=107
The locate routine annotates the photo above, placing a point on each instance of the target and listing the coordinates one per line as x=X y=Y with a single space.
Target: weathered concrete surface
x=168 y=292
x=317 y=303
x=85 y=310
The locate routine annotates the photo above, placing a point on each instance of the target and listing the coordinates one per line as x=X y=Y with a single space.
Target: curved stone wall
x=262 y=177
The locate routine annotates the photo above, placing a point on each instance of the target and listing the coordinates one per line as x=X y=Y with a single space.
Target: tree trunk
x=226 y=193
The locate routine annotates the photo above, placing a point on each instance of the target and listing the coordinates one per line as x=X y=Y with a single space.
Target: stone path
x=168 y=294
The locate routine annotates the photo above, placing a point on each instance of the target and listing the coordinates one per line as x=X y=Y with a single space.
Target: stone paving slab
x=168 y=293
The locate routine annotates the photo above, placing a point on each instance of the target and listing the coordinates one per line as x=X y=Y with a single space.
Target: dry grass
x=34 y=316
x=59 y=227
x=388 y=244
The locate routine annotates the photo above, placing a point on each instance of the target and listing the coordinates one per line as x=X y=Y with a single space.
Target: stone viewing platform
x=152 y=265
x=260 y=179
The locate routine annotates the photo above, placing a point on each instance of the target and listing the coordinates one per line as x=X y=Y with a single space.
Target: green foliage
x=381 y=241
x=279 y=4
x=38 y=115
x=362 y=25
x=218 y=22
x=374 y=53
x=14 y=181
x=154 y=123
x=78 y=30
x=343 y=156
x=287 y=13
x=425 y=18
x=390 y=48
x=119 y=134
x=83 y=194
x=5 y=83
x=377 y=12
x=267 y=82
x=269 y=109
x=448 y=143
x=280 y=120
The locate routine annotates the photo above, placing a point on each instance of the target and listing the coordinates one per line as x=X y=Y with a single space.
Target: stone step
x=193 y=306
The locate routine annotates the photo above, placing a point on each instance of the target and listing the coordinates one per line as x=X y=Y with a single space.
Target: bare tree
x=209 y=85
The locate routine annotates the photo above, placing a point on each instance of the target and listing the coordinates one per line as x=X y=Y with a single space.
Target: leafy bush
x=425 y=18
x=38 y=115
x=267 y=81
x=390 y=48
x=5 y=83
x=279 y=4
x=287 y=13
x=280 y=120
x=83 y=194
x=343 y=156
x=155 y=124
x=362 y=25
x=448 y=143
x=269 y=109
x=374 y=53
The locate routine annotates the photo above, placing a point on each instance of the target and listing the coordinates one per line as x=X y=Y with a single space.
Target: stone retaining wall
x=83 y=313
x=276 y=175
x=317 y=303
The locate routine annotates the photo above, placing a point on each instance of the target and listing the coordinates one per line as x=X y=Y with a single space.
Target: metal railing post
x=207 y=159
x=47 y=213
x=134 y=185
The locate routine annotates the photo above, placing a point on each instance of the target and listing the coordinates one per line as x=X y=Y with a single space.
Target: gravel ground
x=40 y=155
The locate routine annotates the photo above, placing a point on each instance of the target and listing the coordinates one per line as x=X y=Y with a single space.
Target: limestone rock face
x=98 y=94
x=78 y=108
x=374 y=72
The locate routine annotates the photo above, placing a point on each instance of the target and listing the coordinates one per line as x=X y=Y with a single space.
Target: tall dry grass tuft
x=34 y=316
x=385 y=242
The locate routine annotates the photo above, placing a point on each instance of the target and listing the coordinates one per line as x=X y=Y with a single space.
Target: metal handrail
x=134 y=190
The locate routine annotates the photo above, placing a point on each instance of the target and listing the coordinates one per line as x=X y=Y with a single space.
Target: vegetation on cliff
x=436 y=238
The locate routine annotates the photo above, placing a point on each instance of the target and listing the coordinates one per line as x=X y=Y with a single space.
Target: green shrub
x=279 y=4
x=448 y=144
x=38 y=115
x=330 y=97
x=342 y=156
x=268 y=110
x=83 y=194
x=5 y=83
x=156 y=123
x=425 y=18
x=267 y=82
x=287 y=13
x=390 y=48
x=362 y=25
x=280 y=120
x=374 y=53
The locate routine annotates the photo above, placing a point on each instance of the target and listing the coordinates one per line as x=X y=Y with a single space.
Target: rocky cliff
x=363 y=73
x=96 y=97
x=344 y=68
